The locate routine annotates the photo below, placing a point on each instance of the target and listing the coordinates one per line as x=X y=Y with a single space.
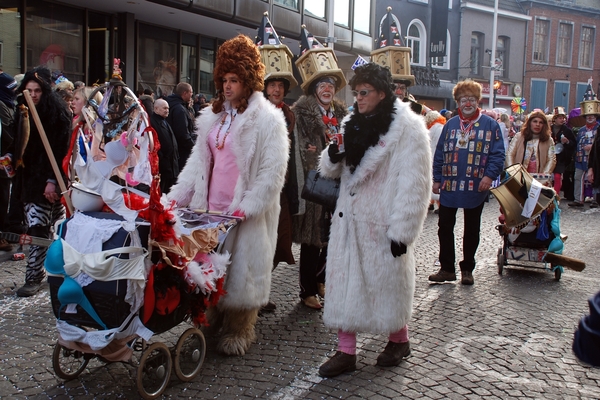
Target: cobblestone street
x=508 y=336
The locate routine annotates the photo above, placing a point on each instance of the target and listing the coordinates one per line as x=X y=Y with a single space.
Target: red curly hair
x=239 y=56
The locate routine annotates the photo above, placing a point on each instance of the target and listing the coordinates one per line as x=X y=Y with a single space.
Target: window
x=541 y=42
x=539 y=88
x=207 y=64
x=416 y=39
x=315 y=8
x=443 y=62
x=158 y=65
x=362 y=15
x=561 y=94
x=502 y=52
x=564 y=43
x=476 y=53
x=586 y=48
x=288 y=3
x=341 y=12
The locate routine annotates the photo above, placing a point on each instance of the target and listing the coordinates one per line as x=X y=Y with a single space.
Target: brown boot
x=442 y=276
x=467 y=278
x=338 y=364
x=393 y=354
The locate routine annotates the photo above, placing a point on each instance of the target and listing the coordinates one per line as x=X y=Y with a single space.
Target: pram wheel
x=154 y=371
x=189 y=354
x=68 y=364
x=501 y=260
x=557 y=273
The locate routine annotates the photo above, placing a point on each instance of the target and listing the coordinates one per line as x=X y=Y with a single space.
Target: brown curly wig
x=467 y=88
x=239 y=56
x=526 y=131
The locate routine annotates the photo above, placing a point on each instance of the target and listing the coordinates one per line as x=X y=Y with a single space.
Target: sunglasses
x=363 y=93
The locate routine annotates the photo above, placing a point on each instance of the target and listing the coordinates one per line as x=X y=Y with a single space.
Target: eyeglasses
x=363 y=93
x=466 y=100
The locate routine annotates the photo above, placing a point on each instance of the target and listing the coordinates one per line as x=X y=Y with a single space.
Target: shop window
x=54 y=38
x=207 y=64
x=157 y=60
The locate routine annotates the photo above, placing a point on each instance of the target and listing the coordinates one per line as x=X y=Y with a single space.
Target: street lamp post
x=497 y=86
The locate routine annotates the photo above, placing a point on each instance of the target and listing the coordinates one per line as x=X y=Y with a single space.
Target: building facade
x=561 y=54
x=163 y=42
x=476 y=40
x=435 y=76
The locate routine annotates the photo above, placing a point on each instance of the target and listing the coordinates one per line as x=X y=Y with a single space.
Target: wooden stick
x=49 y=152
x=569 y=262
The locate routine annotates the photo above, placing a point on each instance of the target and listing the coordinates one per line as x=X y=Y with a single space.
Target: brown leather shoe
x=442 y=276
x=393 y=354
x=338 y=364
x=467 y=278
x=312 y=302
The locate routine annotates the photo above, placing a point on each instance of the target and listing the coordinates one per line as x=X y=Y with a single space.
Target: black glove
x=334 y=155
x=398 y=248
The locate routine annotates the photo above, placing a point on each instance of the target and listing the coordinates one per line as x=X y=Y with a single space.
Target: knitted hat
x=467 y=88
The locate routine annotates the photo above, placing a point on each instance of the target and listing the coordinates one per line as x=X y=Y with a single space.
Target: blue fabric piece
x=557 y=245
x=455 y=168
x=542 y=233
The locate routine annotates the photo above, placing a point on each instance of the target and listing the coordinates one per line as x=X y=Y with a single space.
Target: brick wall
x=551 y=72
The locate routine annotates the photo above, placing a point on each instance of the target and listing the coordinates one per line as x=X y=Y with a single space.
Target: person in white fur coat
x=386 y=179
x=238 y=166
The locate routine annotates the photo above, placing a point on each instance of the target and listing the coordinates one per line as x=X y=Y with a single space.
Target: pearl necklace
x=220 y=146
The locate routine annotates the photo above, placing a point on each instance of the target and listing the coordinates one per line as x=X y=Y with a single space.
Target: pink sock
x=401 y=336
x=347 y=342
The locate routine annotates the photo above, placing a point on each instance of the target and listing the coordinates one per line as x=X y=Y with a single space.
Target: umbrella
x=518 y=105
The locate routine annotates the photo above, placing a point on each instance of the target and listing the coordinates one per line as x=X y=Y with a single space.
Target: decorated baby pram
x=530 y=223
x=132 y=266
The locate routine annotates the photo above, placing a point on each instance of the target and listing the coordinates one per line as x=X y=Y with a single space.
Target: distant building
x=560 y=55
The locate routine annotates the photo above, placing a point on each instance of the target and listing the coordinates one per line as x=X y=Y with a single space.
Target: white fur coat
x=368 y=290
x=261 y=148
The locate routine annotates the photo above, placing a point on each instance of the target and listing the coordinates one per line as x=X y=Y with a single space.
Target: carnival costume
x=258 y=140
x=368 y=289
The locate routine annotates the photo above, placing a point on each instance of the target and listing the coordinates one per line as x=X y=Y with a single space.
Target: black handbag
x=321 y=190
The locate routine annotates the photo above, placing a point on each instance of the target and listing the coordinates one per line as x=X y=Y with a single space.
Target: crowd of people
x=247 y=153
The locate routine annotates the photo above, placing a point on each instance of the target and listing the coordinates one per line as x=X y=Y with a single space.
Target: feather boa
x=363 y=131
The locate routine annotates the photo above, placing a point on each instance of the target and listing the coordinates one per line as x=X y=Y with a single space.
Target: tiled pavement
x=505 y=337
